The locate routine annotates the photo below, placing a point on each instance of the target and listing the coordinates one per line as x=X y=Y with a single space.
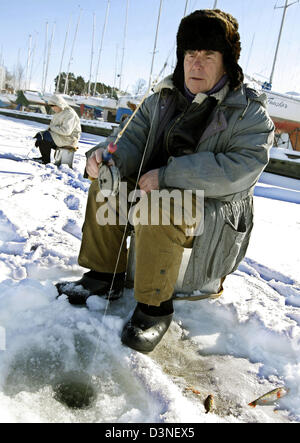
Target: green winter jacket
x=229 y=159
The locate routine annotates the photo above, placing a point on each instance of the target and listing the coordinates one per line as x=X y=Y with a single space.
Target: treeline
x=78 y=86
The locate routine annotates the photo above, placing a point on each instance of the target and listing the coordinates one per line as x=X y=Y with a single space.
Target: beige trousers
x=159 y=248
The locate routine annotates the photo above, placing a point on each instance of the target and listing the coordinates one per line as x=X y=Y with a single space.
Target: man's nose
x=198 y=61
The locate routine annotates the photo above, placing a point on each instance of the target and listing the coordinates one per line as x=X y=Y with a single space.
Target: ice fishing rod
x=109 y=175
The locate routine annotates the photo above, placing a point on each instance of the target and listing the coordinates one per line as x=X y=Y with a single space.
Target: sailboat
x=284 y=109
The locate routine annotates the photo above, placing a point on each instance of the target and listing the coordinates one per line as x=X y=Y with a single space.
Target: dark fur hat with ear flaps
x=210 y=29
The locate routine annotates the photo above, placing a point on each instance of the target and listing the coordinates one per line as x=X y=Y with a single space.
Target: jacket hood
x=57 y=100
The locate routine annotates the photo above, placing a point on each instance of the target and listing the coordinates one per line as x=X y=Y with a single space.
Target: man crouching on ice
x=202 y=129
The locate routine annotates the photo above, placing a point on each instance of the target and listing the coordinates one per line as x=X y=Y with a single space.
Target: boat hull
x=285 y=113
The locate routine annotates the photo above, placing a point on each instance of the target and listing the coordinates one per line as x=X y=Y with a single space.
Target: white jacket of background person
x=65 y=126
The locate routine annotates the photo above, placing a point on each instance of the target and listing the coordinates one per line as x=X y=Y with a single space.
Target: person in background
x=64 y=129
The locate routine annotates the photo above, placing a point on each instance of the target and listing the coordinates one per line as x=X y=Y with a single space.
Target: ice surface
x=236 y=348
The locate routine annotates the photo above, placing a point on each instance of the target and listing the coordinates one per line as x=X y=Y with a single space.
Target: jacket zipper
x=173 y=125
x=170 y=130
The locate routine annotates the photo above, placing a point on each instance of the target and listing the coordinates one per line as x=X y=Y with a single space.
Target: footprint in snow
x=251 y=267
x=281 y=283
x=72 y=228
x=72 y=202
x=8 y=231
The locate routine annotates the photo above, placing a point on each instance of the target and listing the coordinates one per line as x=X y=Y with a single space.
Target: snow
x=4 y=99
x=278 y=188
x=237 y=347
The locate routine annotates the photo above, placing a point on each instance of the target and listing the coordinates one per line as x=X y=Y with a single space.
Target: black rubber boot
x=144 y=331
x=92 y=283
x=45 y=149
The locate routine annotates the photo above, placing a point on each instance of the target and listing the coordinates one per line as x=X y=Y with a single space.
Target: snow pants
x=45 y=144
x=159 y=247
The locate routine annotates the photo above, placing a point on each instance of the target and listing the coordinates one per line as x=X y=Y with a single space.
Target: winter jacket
x=65 y=126
x=228 y=161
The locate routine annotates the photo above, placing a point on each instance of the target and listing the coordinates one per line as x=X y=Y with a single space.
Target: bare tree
x=19 y=76
x=9 y=80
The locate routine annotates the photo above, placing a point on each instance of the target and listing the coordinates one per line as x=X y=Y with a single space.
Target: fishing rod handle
x=106 y=156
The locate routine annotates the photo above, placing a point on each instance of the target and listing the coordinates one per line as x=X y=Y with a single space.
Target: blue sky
x=259 y=28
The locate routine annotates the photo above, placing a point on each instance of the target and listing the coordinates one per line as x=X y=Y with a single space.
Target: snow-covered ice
x=236 y=348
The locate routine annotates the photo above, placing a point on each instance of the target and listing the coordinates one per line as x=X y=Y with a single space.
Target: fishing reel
x=109 y=180
x=109 y=175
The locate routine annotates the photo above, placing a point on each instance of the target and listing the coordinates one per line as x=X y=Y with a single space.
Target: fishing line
x=131 y=203
x=121 y=245
x=120 y=134
x=140 y=167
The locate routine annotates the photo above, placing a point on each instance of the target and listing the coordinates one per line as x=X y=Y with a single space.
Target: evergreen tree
x=71 y=82
x=78 y=86
x=101 y=88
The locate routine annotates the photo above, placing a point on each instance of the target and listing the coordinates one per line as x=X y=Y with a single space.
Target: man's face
x=202 y=70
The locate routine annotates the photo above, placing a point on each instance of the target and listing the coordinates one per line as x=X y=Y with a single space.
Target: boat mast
x=17 y=70
x=172 y=64
x=32 y=62
x=45 y=54
x=279 y=37
x=71 y=55
x=250 y=52
x=92 y=55
x=155 y=43
x=101 y=46
x=124 y=40
x=186 y=7
x=28 y=61
x=215 y=4
x=49 y=53
x=116 y=67
x=62 y=56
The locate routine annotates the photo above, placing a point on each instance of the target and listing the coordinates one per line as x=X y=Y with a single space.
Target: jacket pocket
x=228 y=249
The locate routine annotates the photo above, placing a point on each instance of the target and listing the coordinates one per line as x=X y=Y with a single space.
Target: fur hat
x=210 y=29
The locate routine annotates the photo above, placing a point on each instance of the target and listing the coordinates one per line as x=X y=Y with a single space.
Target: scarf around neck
x=221 y=83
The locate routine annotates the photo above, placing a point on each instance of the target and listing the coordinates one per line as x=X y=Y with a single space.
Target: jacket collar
x=241 y=97
x=236 y=99
x=167 y=83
